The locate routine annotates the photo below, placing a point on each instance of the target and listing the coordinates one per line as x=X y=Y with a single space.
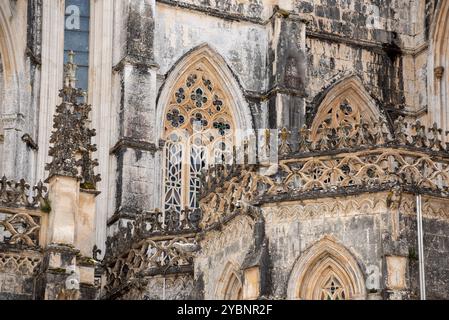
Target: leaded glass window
x=199 y=113
x=76 y=38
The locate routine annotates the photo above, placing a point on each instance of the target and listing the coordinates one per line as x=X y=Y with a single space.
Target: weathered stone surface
x=336 y=202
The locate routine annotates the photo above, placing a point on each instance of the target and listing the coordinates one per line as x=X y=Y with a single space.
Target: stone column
x=256 y=266
x=396 y=284
x=100 y=96
x=135 y=146
x=60 y=255
x=51 y=75
x=287 y=66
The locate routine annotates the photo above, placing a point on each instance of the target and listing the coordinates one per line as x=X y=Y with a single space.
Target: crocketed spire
x=72 y=148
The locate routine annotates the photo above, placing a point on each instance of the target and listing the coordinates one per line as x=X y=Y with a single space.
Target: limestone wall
x=356 y=223
x=221 y=254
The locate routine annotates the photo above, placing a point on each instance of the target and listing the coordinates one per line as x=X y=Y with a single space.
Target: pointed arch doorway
x=326 y=271
x=230 y=284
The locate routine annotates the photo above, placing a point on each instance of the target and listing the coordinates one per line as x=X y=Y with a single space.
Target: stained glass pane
x=76 y=37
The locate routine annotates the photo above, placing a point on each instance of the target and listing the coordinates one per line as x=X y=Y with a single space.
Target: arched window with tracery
x=198 y=131
x=345 y=106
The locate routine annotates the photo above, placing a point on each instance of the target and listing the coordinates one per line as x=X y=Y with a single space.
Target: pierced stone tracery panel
x=199 y=101
x=337 y=117
x=346 y=106
x=332 y=289
x=198 y=117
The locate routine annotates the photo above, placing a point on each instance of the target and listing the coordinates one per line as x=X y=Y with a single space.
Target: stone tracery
x=199 y=130
x=341 y=167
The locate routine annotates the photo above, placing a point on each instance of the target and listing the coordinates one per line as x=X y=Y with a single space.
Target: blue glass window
x=76 y=37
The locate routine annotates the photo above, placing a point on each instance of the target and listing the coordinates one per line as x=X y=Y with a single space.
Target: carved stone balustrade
x=349 y=136
x=154 y=243
x=23 y=213
x=351 y=160
x=150 y=257
x=20 y=194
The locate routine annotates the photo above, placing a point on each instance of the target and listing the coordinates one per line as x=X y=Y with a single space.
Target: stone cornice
x=277 y=13
x=263 y=96
x=366 y=44
x=139 y=63
x=212 y=12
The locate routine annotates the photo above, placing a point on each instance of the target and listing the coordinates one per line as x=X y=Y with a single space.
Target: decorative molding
x=439 y=71
x=216 y=240
x=19 y=264
x=433 y=207
x=128 y=60
x=326 y=208
x=213 y=12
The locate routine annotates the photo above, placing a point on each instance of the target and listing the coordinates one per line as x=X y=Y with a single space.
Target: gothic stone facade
x=327 y=122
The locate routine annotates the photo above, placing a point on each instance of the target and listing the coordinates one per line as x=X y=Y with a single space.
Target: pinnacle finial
x=70 y=71
x=71 y=56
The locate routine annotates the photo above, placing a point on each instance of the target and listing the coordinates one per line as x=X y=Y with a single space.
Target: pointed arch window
x=344 y=107
x=199 y=131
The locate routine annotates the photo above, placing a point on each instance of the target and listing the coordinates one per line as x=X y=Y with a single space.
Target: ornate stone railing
x=153 y=243
x=149 y=257
x=168 y=222
x=21 y=194
x=23 y=213
x=366 y=158
x=353 y=136
x=23 y=228
x=153 y=224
